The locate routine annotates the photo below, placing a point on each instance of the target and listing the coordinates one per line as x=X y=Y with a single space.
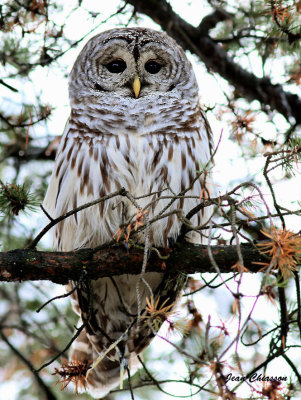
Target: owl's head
x=131 y=62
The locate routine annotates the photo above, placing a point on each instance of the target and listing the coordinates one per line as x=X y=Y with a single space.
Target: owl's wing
x=50 y=197
x=84 y=171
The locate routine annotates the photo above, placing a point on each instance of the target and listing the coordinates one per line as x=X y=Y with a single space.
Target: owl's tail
x=106 y=375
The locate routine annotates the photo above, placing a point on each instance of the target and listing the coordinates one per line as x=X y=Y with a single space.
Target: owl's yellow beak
x=136 y=86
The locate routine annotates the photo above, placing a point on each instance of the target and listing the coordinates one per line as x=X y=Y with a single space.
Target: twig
x=283 y=310
x=298 y=295
x=265 y=174
x=129 y=381
x=145 y=255
x=293 y=367
x=46 y=213
x=78 y=331
x=55 y=221
x=8 y=86
x=62 y=296
x=46 y=390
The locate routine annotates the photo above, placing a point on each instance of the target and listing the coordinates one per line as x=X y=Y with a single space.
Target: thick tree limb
x=197 y=41
x=22 y=265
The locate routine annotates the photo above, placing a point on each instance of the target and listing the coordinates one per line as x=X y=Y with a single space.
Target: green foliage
x=15 y=198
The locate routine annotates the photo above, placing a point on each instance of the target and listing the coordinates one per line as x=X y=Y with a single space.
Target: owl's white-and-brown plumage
x=148 y=139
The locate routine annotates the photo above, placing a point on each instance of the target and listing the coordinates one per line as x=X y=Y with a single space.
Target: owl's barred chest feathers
x=155 y=114
x=144 y=152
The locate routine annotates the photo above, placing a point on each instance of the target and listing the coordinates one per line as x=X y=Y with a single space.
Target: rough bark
x=197 y=41
x=59 y=267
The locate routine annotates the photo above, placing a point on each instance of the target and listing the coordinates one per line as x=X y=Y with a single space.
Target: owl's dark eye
x=153 y=67
x=116 y=66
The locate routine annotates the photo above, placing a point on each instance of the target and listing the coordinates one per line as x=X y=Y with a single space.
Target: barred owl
x=136 y=123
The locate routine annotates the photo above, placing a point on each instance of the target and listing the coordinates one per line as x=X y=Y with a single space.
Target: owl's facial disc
x=132 y=69
x=133 y=65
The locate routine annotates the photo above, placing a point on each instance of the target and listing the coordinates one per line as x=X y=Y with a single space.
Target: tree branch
x=33 y=153
x=60 y=267
x=216 y=58
x=211 y=20
x=45 y=389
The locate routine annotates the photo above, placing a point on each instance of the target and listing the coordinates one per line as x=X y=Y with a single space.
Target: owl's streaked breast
x=147 y=157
